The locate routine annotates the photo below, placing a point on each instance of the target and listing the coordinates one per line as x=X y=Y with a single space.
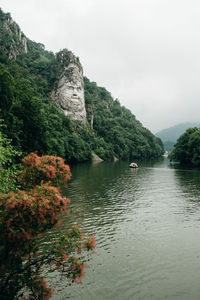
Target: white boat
x=133 y=165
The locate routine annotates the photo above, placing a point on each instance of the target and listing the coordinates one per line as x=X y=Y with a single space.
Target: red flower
x=91 y=244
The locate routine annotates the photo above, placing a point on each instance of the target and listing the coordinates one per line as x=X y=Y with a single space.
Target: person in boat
x=133 y=165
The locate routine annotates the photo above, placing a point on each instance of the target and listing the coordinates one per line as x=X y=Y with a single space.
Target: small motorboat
x=133 y=165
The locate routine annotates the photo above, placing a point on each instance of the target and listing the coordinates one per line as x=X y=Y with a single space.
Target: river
x=147 y=227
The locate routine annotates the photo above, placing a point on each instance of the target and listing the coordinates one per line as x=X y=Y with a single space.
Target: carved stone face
x=69 y=93
x=73 y=96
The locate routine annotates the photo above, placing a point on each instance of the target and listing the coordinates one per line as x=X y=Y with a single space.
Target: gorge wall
x=13 y=40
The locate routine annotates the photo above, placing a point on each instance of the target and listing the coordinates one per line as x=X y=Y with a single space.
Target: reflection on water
x=147 y=227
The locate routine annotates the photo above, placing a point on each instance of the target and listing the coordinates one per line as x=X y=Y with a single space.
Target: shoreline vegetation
x=25 y=215
x=187 y=148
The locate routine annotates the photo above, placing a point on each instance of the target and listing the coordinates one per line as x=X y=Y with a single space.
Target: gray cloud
x=145 y=52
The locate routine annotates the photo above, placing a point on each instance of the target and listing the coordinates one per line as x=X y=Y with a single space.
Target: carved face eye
x=70 y=87
x=79 y=88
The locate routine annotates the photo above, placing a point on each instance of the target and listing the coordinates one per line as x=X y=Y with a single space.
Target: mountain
x=170 y=135
x=49 y=107
x=13 y=41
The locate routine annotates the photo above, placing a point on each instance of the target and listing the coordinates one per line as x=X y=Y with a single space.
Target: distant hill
x=170 y=135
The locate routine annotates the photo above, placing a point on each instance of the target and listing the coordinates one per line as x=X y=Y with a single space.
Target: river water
x=147 y=227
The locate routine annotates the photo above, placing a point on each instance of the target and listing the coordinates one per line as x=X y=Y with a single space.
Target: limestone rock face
x=18 y=41
x=68 y=90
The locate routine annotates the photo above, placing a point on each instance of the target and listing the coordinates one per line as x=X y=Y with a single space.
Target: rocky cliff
x=13 y=40
x=68 y=90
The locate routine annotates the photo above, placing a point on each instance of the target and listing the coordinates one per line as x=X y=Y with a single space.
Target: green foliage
x=187 y=149
x=8 y=167
x=6 y=89
x=38 y=62
x=117 y=131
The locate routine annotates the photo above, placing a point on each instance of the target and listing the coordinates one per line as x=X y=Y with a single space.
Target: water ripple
x=147 y=228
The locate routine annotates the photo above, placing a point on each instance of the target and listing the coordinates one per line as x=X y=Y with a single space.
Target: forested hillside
x=170 y=135
x=34 y=122
x=187 y=149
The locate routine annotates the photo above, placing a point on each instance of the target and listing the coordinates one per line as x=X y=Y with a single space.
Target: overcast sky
x=145 y=52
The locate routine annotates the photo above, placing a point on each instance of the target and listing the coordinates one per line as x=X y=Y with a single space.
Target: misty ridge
x=170 y=135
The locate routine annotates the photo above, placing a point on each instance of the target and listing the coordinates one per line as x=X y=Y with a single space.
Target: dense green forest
x=187 y=149
x=33 y=122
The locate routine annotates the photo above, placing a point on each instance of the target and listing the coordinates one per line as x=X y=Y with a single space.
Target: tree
x=6 y=89
x=8 y=169
x=186 y=150
x=24 y=216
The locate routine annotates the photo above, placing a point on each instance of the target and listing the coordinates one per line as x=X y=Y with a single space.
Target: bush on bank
x=24 y=216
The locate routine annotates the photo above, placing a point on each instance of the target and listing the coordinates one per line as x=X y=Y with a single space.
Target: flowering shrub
x=37 y=209
x=27 y=214
x=47 y=168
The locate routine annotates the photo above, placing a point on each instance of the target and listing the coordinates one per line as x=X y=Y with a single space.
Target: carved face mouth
x=75 y=97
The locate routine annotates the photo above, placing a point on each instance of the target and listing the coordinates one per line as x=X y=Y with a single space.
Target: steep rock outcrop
x=13 y=40
x=68 y=90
